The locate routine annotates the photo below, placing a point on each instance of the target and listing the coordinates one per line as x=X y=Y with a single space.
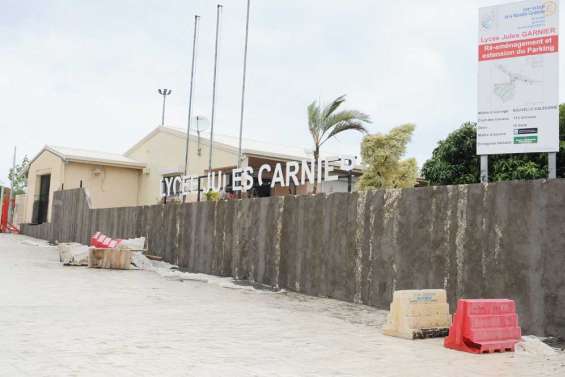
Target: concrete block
x=73 y=254
x=117 y=259
x=135 y=244
x=418 y=314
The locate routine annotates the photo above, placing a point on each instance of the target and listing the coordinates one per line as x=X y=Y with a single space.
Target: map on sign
x=506 y=91
x=518 y=95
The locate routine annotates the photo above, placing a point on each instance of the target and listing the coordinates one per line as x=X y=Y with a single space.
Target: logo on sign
x=550 y=8
x=487 y=21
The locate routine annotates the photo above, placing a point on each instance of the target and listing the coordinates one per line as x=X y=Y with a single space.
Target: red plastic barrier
x=98 y=241
x=4 y=212
x=484 y=326
x=106 y=243
x=94 y=239
x=102 y=241
x=9 y=228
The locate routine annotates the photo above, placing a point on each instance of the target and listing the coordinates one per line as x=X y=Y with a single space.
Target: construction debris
x=137 y=244
x=154 y=257
x=418 y=314
x=73 y=254
x=118 y=258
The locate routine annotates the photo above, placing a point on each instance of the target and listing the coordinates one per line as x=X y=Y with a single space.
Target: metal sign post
x=484 y=168
x=552 y=165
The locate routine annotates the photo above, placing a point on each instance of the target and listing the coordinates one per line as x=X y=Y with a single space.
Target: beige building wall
x=46 y=163
x=107 y=186
x=163 y=152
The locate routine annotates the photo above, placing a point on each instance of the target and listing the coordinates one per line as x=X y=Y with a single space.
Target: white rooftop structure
x=254 y=147
x=91 y=157
x=250 y=147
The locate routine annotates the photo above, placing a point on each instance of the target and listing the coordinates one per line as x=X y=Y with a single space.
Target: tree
x=454 y=161
x=382 y=153
x=212 y=196
x=561 y=154
x=325 y=123
x=18 y=176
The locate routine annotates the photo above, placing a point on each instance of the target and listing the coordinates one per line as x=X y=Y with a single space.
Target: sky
x=85 y=74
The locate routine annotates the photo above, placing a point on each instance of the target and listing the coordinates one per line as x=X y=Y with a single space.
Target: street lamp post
x=164 y=93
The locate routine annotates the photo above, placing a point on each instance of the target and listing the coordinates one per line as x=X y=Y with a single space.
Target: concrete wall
x=503 y=240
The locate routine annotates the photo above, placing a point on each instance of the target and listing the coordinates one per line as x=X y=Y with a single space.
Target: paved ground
x=74 y=321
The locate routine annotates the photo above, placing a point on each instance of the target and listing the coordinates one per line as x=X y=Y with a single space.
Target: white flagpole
x=218 y=16
x=196 y=19
x=243 y=85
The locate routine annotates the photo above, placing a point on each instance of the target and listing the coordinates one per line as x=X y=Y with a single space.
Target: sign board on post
x=518 y=94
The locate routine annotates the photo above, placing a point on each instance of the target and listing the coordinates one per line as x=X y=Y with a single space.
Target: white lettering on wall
x=327 y=177
x=292 y=168
x=215 y=184
x=247 y=179
x=177 y=183
x=299 y=173
x=236 y=179
x=278 y=176
x=168 y=184
x=308 y=172
x=262 y=169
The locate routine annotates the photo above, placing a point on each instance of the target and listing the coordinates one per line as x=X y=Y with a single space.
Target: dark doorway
x=261 y=191
x=43 y=201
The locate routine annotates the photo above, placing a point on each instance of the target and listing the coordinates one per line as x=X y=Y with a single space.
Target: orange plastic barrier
x=484 y=326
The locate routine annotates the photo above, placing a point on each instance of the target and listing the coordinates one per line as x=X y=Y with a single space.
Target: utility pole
x=218 y=16
x=164 y=93
x=12 y=196
x=243 y=85
x=196 y=20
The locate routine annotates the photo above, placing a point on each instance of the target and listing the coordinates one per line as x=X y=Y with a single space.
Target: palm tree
x=328 y=122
